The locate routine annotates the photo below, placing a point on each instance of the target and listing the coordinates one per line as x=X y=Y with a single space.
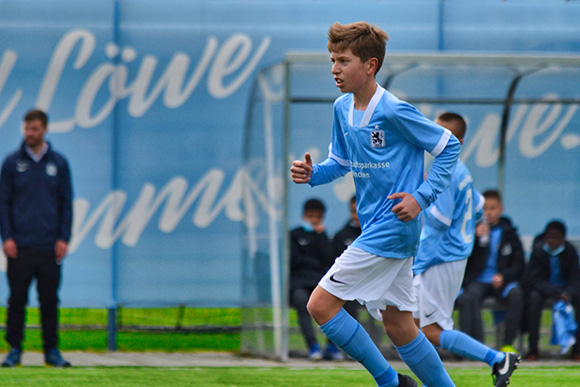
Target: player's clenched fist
x=302 y=170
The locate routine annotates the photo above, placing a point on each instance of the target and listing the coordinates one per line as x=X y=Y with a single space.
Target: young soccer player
x=446 y=242
x=382 y=140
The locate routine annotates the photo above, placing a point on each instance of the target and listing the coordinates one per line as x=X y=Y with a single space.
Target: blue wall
x=148 y=101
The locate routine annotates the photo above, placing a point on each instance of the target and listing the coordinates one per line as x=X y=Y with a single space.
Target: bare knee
x=323 y=306
x=314 y=307
x=399 y=326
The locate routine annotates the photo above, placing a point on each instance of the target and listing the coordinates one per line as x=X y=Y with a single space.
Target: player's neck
x=363 y=96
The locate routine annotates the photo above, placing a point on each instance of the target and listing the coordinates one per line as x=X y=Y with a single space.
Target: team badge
x=51 y=169
x=21 y=165
x=377 y=138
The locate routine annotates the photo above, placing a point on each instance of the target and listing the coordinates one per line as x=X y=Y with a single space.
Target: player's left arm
x=440 y=213
x=436 y=140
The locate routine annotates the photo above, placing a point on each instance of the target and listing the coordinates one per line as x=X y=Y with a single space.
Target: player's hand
x=497 y=281
x=408 y=208
x=9 y=248
x=60 y=249
x=302 y=170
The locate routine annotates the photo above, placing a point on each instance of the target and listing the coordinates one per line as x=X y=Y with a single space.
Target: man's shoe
x=13 y=358
x=406 y=381
x=314 y=353
x=502 y=372
x=53 y=358
x=332 y=352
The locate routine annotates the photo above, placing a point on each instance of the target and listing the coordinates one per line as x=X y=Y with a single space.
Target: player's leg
x=350 y=278
x=413 y=347
x=437 y=289
x=350 y=336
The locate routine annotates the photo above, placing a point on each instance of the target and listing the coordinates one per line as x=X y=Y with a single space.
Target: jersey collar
x=370 y=108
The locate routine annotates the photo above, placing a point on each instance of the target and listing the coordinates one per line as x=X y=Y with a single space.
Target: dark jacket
x=344 y=238
x=537 y=275
x=510 y=258
x=35 y=199
x=311 y=255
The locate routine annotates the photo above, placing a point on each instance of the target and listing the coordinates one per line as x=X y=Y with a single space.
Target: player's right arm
x=325 y=172
x=301 y=170
x=335 y=166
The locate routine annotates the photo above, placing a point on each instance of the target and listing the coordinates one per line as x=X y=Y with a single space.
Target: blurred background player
x=311 y=255
x=36 y=219
x=381 y=140
x=493 y=270
x=446 y=242
x=553 y=274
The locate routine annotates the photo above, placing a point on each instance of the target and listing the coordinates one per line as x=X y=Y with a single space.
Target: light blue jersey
x=385 y=152
x=449 y=223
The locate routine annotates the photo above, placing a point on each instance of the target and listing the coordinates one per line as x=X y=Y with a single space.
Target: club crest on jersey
x=378 y=138
x=51 y=169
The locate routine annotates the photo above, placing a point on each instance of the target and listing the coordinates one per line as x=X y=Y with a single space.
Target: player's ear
x=372 y=65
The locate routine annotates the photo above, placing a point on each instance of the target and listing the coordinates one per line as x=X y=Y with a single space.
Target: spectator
x=553 y=274
x=35 y=220
x=493 y=270
x=310 y=257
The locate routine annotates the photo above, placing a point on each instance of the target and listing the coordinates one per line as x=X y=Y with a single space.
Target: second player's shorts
x=371 y=280
x=436 y=289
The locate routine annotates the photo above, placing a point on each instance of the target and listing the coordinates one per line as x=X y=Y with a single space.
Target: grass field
x=262 y=377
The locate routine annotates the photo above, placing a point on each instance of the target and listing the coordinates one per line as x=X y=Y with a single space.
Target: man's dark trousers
x=40 y=264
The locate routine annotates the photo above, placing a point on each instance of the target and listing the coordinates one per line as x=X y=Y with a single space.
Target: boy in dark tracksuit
x=35 y=222
x=553 y=273
x=493 y=269
x=311 y=255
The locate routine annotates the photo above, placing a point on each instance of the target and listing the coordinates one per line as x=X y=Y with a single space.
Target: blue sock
x=423 y=360
x=464 y=345
x=349 y=335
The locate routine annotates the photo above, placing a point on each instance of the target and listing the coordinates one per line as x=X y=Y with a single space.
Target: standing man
x=35 y=221
x=381 y=140
x=446 y=242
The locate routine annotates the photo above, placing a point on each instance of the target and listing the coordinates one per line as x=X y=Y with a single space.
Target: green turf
x=262 y=377
x=89 y=329
x=85 y=329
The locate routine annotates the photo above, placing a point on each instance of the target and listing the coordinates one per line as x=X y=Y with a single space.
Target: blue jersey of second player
x=385 y=152
x=449 y=223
